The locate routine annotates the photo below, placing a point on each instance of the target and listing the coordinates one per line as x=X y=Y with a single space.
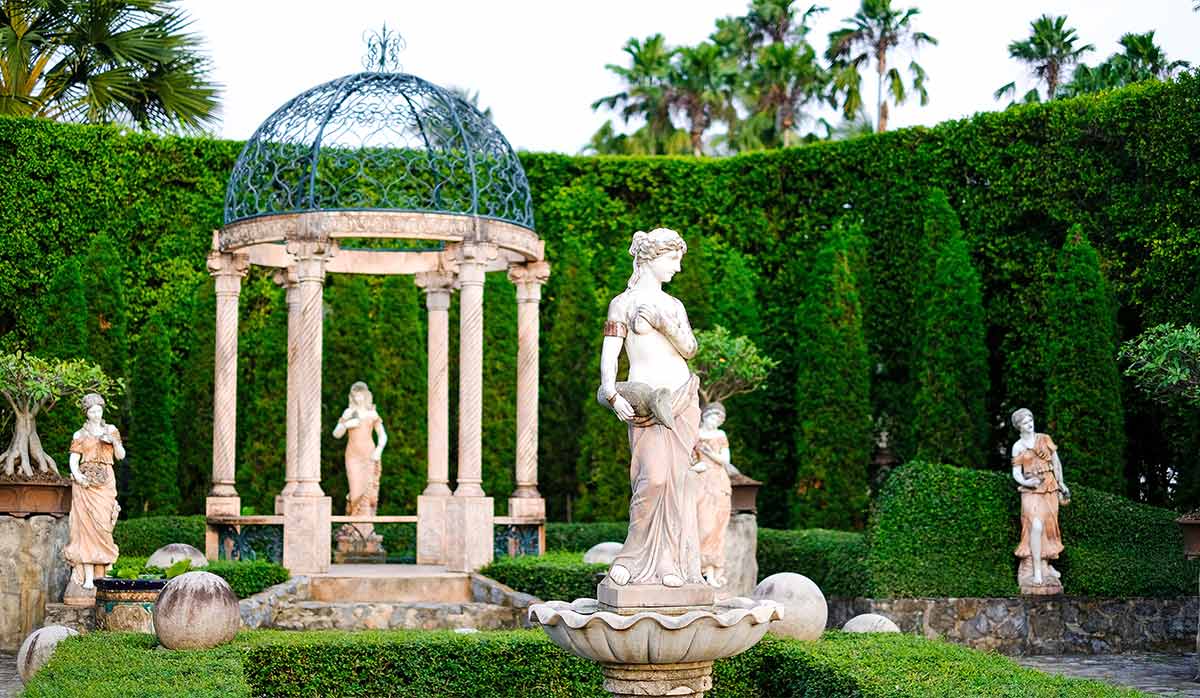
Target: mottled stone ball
x=196 y=610
x=804 y=607
x=603 y=553
x=171 y=553
x=870 y=623
x=38 y=647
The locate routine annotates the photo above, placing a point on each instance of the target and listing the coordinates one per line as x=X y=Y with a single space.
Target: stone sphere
x=804 y=609
x=196 y=610
x=38 y=647
x=603 y=553
x=169 y=554
x=870 y=623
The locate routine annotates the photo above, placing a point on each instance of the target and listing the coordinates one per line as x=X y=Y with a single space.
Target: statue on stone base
x=713 y=507
x=94 y=509
x=662 y=548
x=1038 y=472
x=363 y=468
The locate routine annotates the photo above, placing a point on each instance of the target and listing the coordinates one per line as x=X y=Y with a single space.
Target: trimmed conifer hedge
x=943 y=531
x=1121 y=165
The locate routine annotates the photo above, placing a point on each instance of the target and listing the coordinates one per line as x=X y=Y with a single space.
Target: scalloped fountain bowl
x=654 y=654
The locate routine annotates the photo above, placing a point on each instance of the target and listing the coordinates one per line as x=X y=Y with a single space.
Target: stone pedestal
x=741 y=556
x=76 y=596
x=32 y=573
x=470 y=539
x=640 y=680
x=431 y=530
x=306 y=526
x=653 y=596
x=1050 y=586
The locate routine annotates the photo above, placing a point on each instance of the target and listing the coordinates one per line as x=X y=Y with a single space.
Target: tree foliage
x=1141 y=59
x=153 y=458
x=1050 y=50
x=1164 y=362
x=728 y=365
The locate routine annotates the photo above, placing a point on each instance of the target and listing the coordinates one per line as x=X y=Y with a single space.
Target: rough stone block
x=32 y=573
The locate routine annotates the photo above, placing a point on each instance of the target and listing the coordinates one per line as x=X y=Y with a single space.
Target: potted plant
x=125 y=600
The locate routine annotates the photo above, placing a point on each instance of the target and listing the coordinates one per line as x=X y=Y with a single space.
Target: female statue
x=662 y=546
x=712 y=512
x=363 y=457
x=1038 y=471
x=91 y=550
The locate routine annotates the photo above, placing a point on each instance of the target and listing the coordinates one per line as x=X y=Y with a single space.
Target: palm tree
x=1050 y=49
x=785 y=78
x=104 y=61
x=1143 y=59
x=699 y=88
x=876 y=29
x=646 y=86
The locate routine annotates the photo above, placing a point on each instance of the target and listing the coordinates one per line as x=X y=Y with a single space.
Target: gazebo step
x=320 y=615
x=390 y=584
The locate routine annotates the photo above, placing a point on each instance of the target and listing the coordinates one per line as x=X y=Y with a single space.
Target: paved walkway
x=1156 y=674
x=10 y=683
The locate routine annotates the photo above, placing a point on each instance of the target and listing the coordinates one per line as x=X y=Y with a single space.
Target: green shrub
x=943 y=531
x=834 y=560
x=245 y=578
x=142 y=536
x=523 y=664
x=559 y=576
x=154 y=461
x=580 y=537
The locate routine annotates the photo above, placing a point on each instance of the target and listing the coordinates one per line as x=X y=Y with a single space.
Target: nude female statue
x=662 y=546
x=1038 y=471
x=363 y=456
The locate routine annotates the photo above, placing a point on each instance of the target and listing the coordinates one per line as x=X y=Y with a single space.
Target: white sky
x=539 y=64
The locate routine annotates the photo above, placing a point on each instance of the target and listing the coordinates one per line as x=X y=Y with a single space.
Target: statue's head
x=657 y=252
x=713 y=415
x=90 y=402
x=360 y=396
x=1022 y=420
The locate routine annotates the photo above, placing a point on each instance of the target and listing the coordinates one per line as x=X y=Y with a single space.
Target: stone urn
x=1189 y=524
x=647 y=653
x=127 y=605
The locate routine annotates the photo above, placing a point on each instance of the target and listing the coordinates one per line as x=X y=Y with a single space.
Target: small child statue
x=1038 y=472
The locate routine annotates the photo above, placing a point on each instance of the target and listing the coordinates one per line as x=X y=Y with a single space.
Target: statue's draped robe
x=712 y=512
x=663 y=534
x=93 y=509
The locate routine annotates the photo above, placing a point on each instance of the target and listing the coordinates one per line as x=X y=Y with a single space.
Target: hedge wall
x=1125 y=166
x=942 y=531
x=521 y=664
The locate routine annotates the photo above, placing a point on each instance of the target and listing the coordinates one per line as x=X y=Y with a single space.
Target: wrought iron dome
x=379 y=141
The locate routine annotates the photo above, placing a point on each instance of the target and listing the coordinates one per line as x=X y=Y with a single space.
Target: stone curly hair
x=647 y=247
x=90 y=400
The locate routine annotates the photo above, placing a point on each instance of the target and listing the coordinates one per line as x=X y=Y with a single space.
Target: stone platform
x=390 y=583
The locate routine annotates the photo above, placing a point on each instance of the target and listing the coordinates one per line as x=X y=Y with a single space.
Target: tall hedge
x=950 y=364
x=833 y=402
x=1083 y=384
x=1121 y=165
x=153 y=455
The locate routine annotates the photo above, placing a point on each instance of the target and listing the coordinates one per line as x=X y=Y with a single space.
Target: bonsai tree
x=31 y=384
x=1164 y=362
x=728 y=365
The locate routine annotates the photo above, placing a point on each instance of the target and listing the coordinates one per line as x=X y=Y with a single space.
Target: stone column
x=307 y=511
x=469 y=513
x=526 y=502
x=287 y=278
x=227 y=270
x=431 y=505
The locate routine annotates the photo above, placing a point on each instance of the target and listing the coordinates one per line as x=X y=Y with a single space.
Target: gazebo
x=381 y=173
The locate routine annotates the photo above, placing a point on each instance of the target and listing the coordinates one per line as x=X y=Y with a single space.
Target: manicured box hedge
x=140 y=537
x=834 y=560
x=246 y=578
x=524 y=664
x=943 y=531
x=579 y=537
x=557 y=575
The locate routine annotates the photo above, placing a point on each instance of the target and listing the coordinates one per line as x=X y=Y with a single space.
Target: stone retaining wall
x=32 y=573
x=1039 y=625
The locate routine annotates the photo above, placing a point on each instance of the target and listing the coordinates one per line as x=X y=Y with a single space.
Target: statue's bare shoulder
x=618 y=308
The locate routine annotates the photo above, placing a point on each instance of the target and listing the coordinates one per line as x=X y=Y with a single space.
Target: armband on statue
x=615 y=329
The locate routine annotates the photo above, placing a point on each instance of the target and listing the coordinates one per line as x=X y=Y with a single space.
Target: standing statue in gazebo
x=661 y=405
x=363 y=468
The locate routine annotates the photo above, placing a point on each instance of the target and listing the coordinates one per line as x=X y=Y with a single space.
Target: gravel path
x=1156 y=674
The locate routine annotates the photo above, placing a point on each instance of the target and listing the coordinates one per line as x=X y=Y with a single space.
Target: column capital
x=437 y=285
x=529 y=279
x=286 y=277
x=309 y=257
x=473 y=260
x=228 y=269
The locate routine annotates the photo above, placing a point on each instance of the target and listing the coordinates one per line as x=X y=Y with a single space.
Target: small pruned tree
x=1164 y=362
x=728 y=365
x=31 y=385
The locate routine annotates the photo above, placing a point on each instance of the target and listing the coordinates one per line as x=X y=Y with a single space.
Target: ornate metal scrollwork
x=250 y=542
x=512 y=540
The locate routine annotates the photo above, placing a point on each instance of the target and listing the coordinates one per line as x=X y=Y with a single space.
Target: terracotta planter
x=127 y=605
x=1191 y=537
x=35 y=497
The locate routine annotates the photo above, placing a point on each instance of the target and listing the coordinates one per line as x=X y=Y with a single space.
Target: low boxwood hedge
x=835 y=560
x=579 y=537
x=518 y=664
x=246 y=578
x=140 y=537
x=556 y=575
x=943 y=531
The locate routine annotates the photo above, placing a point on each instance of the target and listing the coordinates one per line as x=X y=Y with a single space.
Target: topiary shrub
x=142 y=536
x=559 y=576
x=834 y=560
x=943 y=531
x=246 y=578
x=579 y=537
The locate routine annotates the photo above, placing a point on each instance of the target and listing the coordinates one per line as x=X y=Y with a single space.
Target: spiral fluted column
x=526 y=501
x=287 y=278
x=227 y=270
x=470 y=375
x=438 y=287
